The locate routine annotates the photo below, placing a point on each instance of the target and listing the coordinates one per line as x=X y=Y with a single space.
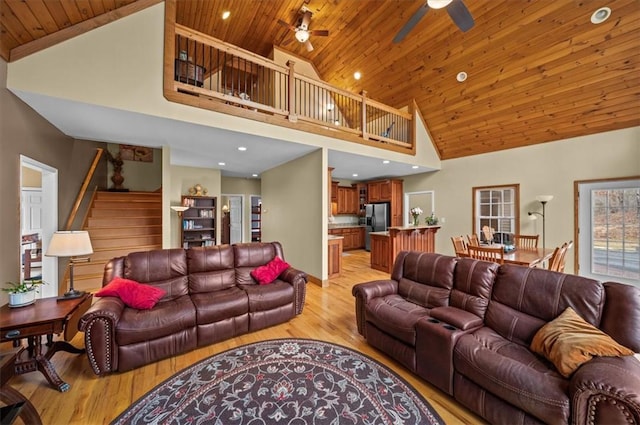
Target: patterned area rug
x=283 y=381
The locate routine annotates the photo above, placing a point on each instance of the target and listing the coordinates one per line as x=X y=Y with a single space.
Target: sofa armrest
x=606 y=390
x=461 y=319
x=364 y=292
x=298 y=279
x=99 y=326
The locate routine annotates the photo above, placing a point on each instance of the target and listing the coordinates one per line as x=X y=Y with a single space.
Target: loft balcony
x=204 y=72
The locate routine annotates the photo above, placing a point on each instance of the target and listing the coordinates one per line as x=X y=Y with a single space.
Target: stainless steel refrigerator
x=377 y=220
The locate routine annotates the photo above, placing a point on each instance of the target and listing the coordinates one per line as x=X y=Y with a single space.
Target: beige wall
x=179 y=179
x=294 y=212
x=139 y=176
x=544 y=169
x=24 y=132
x=245 y=187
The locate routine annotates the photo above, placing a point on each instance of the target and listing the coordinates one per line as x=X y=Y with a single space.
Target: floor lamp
x=543 y=199
x=70 y=244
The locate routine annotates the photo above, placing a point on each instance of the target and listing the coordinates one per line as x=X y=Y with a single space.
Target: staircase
x=119 y=223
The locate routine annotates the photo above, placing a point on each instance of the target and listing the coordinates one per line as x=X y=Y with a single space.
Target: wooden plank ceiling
x=538 y=71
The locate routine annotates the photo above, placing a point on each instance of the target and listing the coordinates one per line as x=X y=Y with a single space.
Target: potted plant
x=23 y=293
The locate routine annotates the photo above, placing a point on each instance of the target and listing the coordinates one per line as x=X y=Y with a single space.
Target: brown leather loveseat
x=210 y=296
x=466 y=326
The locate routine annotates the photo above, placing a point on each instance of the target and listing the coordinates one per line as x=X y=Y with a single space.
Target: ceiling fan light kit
x=302 y=35
x=438 y=4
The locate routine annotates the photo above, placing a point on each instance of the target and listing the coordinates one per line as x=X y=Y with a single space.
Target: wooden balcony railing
x=206 y=72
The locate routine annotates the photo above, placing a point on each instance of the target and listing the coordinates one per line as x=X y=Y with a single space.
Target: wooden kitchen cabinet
x=388 y=191
x=380 y=253
x=373 y=192
x=353 y=237
x=335 y=257
x=334 y=191
x=347 y=200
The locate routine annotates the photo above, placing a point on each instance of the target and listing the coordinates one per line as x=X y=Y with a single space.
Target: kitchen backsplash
x=344 y=219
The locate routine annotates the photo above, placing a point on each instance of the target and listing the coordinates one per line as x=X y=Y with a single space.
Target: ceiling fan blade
x=460 y=15
x=411 y=23
x=322 y=33
x=286 y=25
x=309 y=46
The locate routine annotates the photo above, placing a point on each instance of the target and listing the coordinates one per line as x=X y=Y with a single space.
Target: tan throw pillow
x=568 y=341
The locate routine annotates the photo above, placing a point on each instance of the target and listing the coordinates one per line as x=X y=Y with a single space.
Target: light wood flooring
x=328 y=315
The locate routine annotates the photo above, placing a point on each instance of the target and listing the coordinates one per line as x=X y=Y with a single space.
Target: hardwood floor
x=328 y=315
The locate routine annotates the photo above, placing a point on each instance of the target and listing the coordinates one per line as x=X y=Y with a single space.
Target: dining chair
x=563 y=260
x=473 y=240
x=488 y=233
x=556 y=263
x=459 y=246
x=526 y=241
x=487 y=253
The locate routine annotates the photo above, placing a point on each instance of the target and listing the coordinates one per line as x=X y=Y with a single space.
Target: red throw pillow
x=132 y=293
x=266 y=274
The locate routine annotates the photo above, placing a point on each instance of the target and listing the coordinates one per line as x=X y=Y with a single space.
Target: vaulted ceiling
x=538 y=71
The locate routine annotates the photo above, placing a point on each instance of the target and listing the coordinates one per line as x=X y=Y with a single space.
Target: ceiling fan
x=301 y=29
x=456 y=9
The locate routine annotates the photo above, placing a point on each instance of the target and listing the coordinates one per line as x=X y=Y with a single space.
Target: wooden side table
x=46 y=316
x=17 y=404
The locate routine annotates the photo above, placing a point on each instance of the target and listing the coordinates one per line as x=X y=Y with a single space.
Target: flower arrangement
x=415 y=213
x=432 y=220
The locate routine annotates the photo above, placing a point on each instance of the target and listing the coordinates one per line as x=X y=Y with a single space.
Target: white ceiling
x=197 y=145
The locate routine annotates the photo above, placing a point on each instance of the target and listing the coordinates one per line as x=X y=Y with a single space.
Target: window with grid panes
x=496 y=208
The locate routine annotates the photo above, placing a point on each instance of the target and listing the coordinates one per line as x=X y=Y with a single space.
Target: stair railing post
x=365 y=135
x=292 y=82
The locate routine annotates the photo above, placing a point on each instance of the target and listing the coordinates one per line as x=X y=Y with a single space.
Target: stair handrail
x=83 y=188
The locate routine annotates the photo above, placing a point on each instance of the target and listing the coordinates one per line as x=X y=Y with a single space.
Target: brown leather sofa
x=466 y=327
x=211 y=296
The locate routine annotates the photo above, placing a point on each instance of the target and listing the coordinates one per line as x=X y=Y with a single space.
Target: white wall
x=294 y=211
x=544 y=169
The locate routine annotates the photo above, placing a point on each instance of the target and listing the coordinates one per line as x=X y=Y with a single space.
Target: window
x=496 y=208
x=609 y=230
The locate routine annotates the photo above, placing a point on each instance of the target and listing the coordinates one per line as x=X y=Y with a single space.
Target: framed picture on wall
x=136 y=153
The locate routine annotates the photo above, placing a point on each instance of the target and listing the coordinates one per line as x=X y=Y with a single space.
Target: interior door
x=235 y=215
x=31 y=231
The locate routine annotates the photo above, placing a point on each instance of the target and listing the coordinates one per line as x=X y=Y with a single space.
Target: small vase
x=416 y=220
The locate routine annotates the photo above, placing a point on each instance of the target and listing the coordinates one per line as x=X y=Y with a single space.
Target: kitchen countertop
x=333 y=237
x=385 y=233
x=344 y=226
x=422 y=226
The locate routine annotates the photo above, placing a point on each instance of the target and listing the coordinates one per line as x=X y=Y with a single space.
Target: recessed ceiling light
x=415 y=166
x=242 y=148
x=226 y=14
x=600 y=15
x=386 y=161
x=354 y=175
x=462 y=76
x=221 y=163
x=357 y=75
x=254 y=175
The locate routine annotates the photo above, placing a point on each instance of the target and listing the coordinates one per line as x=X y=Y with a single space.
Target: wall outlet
x=443 y=220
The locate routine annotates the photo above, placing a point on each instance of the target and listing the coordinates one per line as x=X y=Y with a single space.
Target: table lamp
x=70 y=244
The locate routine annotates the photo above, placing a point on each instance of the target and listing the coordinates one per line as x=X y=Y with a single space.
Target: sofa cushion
x=220 y=305
x=166 y=318
x=524 y=299
x=211 y=268
x=472 y=285
x=396 y=316
x=512 y=372
x=568 y=342
x=165 y=268
x=268 y=297
x=248 y=256
x=132 y=293
x=426 y=278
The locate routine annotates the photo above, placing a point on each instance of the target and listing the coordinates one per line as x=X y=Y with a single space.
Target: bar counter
x=385 y=246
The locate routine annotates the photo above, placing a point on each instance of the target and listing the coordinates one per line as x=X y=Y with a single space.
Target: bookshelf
x=199 y=221
x=256 y=223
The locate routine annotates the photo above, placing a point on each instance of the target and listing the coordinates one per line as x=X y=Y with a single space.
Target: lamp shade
x=178 y=208
x=544 y=198
x=69 y=244
x=438 y=4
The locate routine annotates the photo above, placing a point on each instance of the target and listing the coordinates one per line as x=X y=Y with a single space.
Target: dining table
x=529 y=257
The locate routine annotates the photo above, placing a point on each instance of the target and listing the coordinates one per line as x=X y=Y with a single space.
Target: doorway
x=235 y=205
x=40 y=209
